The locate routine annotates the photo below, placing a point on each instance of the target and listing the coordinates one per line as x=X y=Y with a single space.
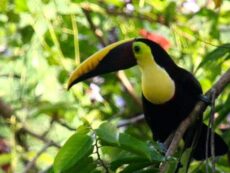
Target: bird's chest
x=157 y=87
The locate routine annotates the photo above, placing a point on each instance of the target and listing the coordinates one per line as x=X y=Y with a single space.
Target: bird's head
x=117 y=56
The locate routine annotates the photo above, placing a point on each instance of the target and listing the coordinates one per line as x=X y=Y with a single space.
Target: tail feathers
x=199 y=151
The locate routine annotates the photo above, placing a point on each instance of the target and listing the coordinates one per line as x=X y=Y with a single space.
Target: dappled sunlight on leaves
x=42 y=41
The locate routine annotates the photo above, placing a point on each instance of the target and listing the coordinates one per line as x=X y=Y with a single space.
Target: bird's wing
x=188 y=82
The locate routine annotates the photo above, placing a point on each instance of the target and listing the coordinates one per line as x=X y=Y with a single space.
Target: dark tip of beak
x=69 y=86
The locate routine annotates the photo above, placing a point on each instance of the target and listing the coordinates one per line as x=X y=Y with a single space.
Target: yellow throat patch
x=157 y=86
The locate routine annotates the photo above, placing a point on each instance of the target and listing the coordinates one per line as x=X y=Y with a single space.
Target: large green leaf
x=171 y=165
x=135 y=167
x=216 y=54
x=83 y=129
x=185 y=158
x=170 y=12
x=108 y=134
x=127 y=160
x=85 y=165
x=139 y=147
x=78 y=146
x=148 y=170
x=223 y=111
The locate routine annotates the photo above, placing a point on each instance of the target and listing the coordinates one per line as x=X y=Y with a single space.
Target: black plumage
x=163 y=119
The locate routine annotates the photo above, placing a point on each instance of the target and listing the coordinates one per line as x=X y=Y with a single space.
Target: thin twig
x=40 y=137
x=32 y=162
x=206 y=147
x=160 y=19
x=46 y=132
x=169 y=139
x=15 y=76
x=133 y=120
x=99 y=157
x=129 y=88
x=75 y=39
x=121 y=75
x=129 y=15
x=212 y=120
x=210 y=138
x=93 y=27
x=65 y=125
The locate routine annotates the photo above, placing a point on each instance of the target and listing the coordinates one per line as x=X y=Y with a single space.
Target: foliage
x=42 y=41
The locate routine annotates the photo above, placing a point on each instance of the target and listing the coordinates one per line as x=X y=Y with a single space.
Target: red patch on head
x=162 y=41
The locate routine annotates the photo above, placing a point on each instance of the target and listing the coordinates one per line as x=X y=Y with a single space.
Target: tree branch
x=99 y=157
x=194 y=115
x=212 y=132
x=62 y=123
x=128 y=87
x=133 y=120
x=40 y=137
x=121 y=75
x=5 y=110
x=159 y=19
x=93 y=27
x=32 y=162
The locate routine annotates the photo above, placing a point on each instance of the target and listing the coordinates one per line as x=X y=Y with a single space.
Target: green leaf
x=27 y=33
x=223 y=111
x=170 y=12
x=185 y=159
x=215 y=54
x=206 y=12
x=86 y=165
x=108 y=134
x=135 y=167
x=149 y=170
x=126 y=160
x=139 y=147
x=5 y=159
x=21 y=5
x=50 y=170
x=171 y=165
x=83 y=129
x=62 y=76
x=78 y=146
x=214 y=31
x=3 y=5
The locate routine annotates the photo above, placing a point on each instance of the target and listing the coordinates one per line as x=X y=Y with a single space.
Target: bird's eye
x=137 y=49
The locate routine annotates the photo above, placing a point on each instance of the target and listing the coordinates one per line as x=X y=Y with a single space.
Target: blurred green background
x=42 y=41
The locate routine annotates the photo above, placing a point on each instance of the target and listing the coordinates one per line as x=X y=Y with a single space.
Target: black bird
x=169 y=92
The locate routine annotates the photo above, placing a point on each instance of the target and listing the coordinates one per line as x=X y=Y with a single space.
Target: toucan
x=169 y=92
